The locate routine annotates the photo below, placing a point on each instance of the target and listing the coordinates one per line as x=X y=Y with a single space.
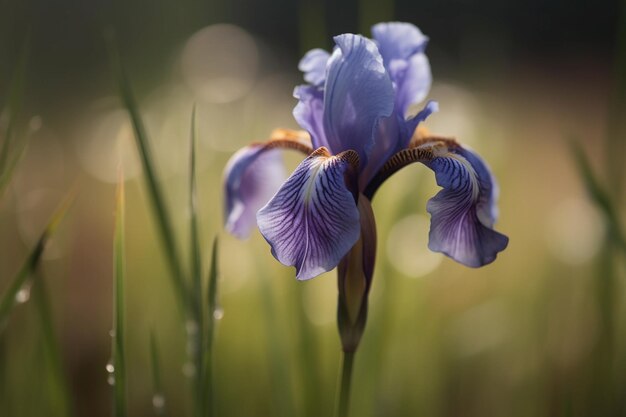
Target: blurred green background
x=540 y=332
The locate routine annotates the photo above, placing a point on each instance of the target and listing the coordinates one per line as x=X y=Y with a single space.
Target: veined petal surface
x=464 y=211
x=313 y=220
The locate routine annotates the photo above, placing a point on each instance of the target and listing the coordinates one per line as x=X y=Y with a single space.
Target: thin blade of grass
x=118 y=370
x=196 y=332
x=158 y=398
x=599 y=195
x=213 y=314
x=154 y=189
x=8 y=301
x=57 y=386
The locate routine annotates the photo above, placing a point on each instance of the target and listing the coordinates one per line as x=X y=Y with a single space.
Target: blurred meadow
x=538 y=88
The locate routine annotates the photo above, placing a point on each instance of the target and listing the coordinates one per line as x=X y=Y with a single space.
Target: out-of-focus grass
x=513 y=339
x=117 y=367
x=22 y=279
x=13 y=145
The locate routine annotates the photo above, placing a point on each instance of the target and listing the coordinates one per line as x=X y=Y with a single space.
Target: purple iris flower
x=355 y=111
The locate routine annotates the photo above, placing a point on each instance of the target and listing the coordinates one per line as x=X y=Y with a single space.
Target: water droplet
x=111 y=380
x=23 y=295
x=189 y=370
x=218 y=314
x=158 y=402
x=112 y=333
x=110 y=368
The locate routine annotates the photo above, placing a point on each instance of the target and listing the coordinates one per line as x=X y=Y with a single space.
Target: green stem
x=343 y=397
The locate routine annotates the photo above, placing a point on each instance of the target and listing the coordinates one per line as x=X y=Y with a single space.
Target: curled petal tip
x=464 y=211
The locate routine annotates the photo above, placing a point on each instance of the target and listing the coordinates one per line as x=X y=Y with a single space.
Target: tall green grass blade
x=214 y=314
x=8 y=301
x=158 y=398
x=57 y=386
x=154 y=189
x=599 y=195
x=282 y=388
x=117 y=367
x=196 y=331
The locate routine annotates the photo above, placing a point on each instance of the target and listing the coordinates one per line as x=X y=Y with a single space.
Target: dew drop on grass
x=158 y=402
x=112 y=333
x=218 y=314
x=23 y=295
x=110 y=368
x=111 y=380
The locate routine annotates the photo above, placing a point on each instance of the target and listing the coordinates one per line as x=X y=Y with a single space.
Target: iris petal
x=398 y=40
x=313 y=221
x=464 y=212
x=313 y=65
x=309 y=113
x=358 y=93
x=414 y=83
x=252 y=176
x=402 y=48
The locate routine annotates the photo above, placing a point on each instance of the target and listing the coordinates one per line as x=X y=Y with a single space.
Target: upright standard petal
x=313 y=220
x=402 y=48
x=309 y=113
x=313 y=65
x=358 y=93
x=464 y=212
x=398 y=40
x=252 y=176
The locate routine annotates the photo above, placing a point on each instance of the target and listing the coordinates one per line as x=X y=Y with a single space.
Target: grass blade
x=599 y=195
x=158 y=399
x=154 y=189
x=214 y=314
x=117 y=367
x=57 y=385
x=196 y=331
x=8 y=300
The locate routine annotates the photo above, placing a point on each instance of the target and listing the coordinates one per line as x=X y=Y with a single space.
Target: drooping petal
x=464 y=211
x=309 y=113
x=398 y=40
x=252 y=176
x=313 y=65
x=402 y=48
x=313 y=221
x=358 y=93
